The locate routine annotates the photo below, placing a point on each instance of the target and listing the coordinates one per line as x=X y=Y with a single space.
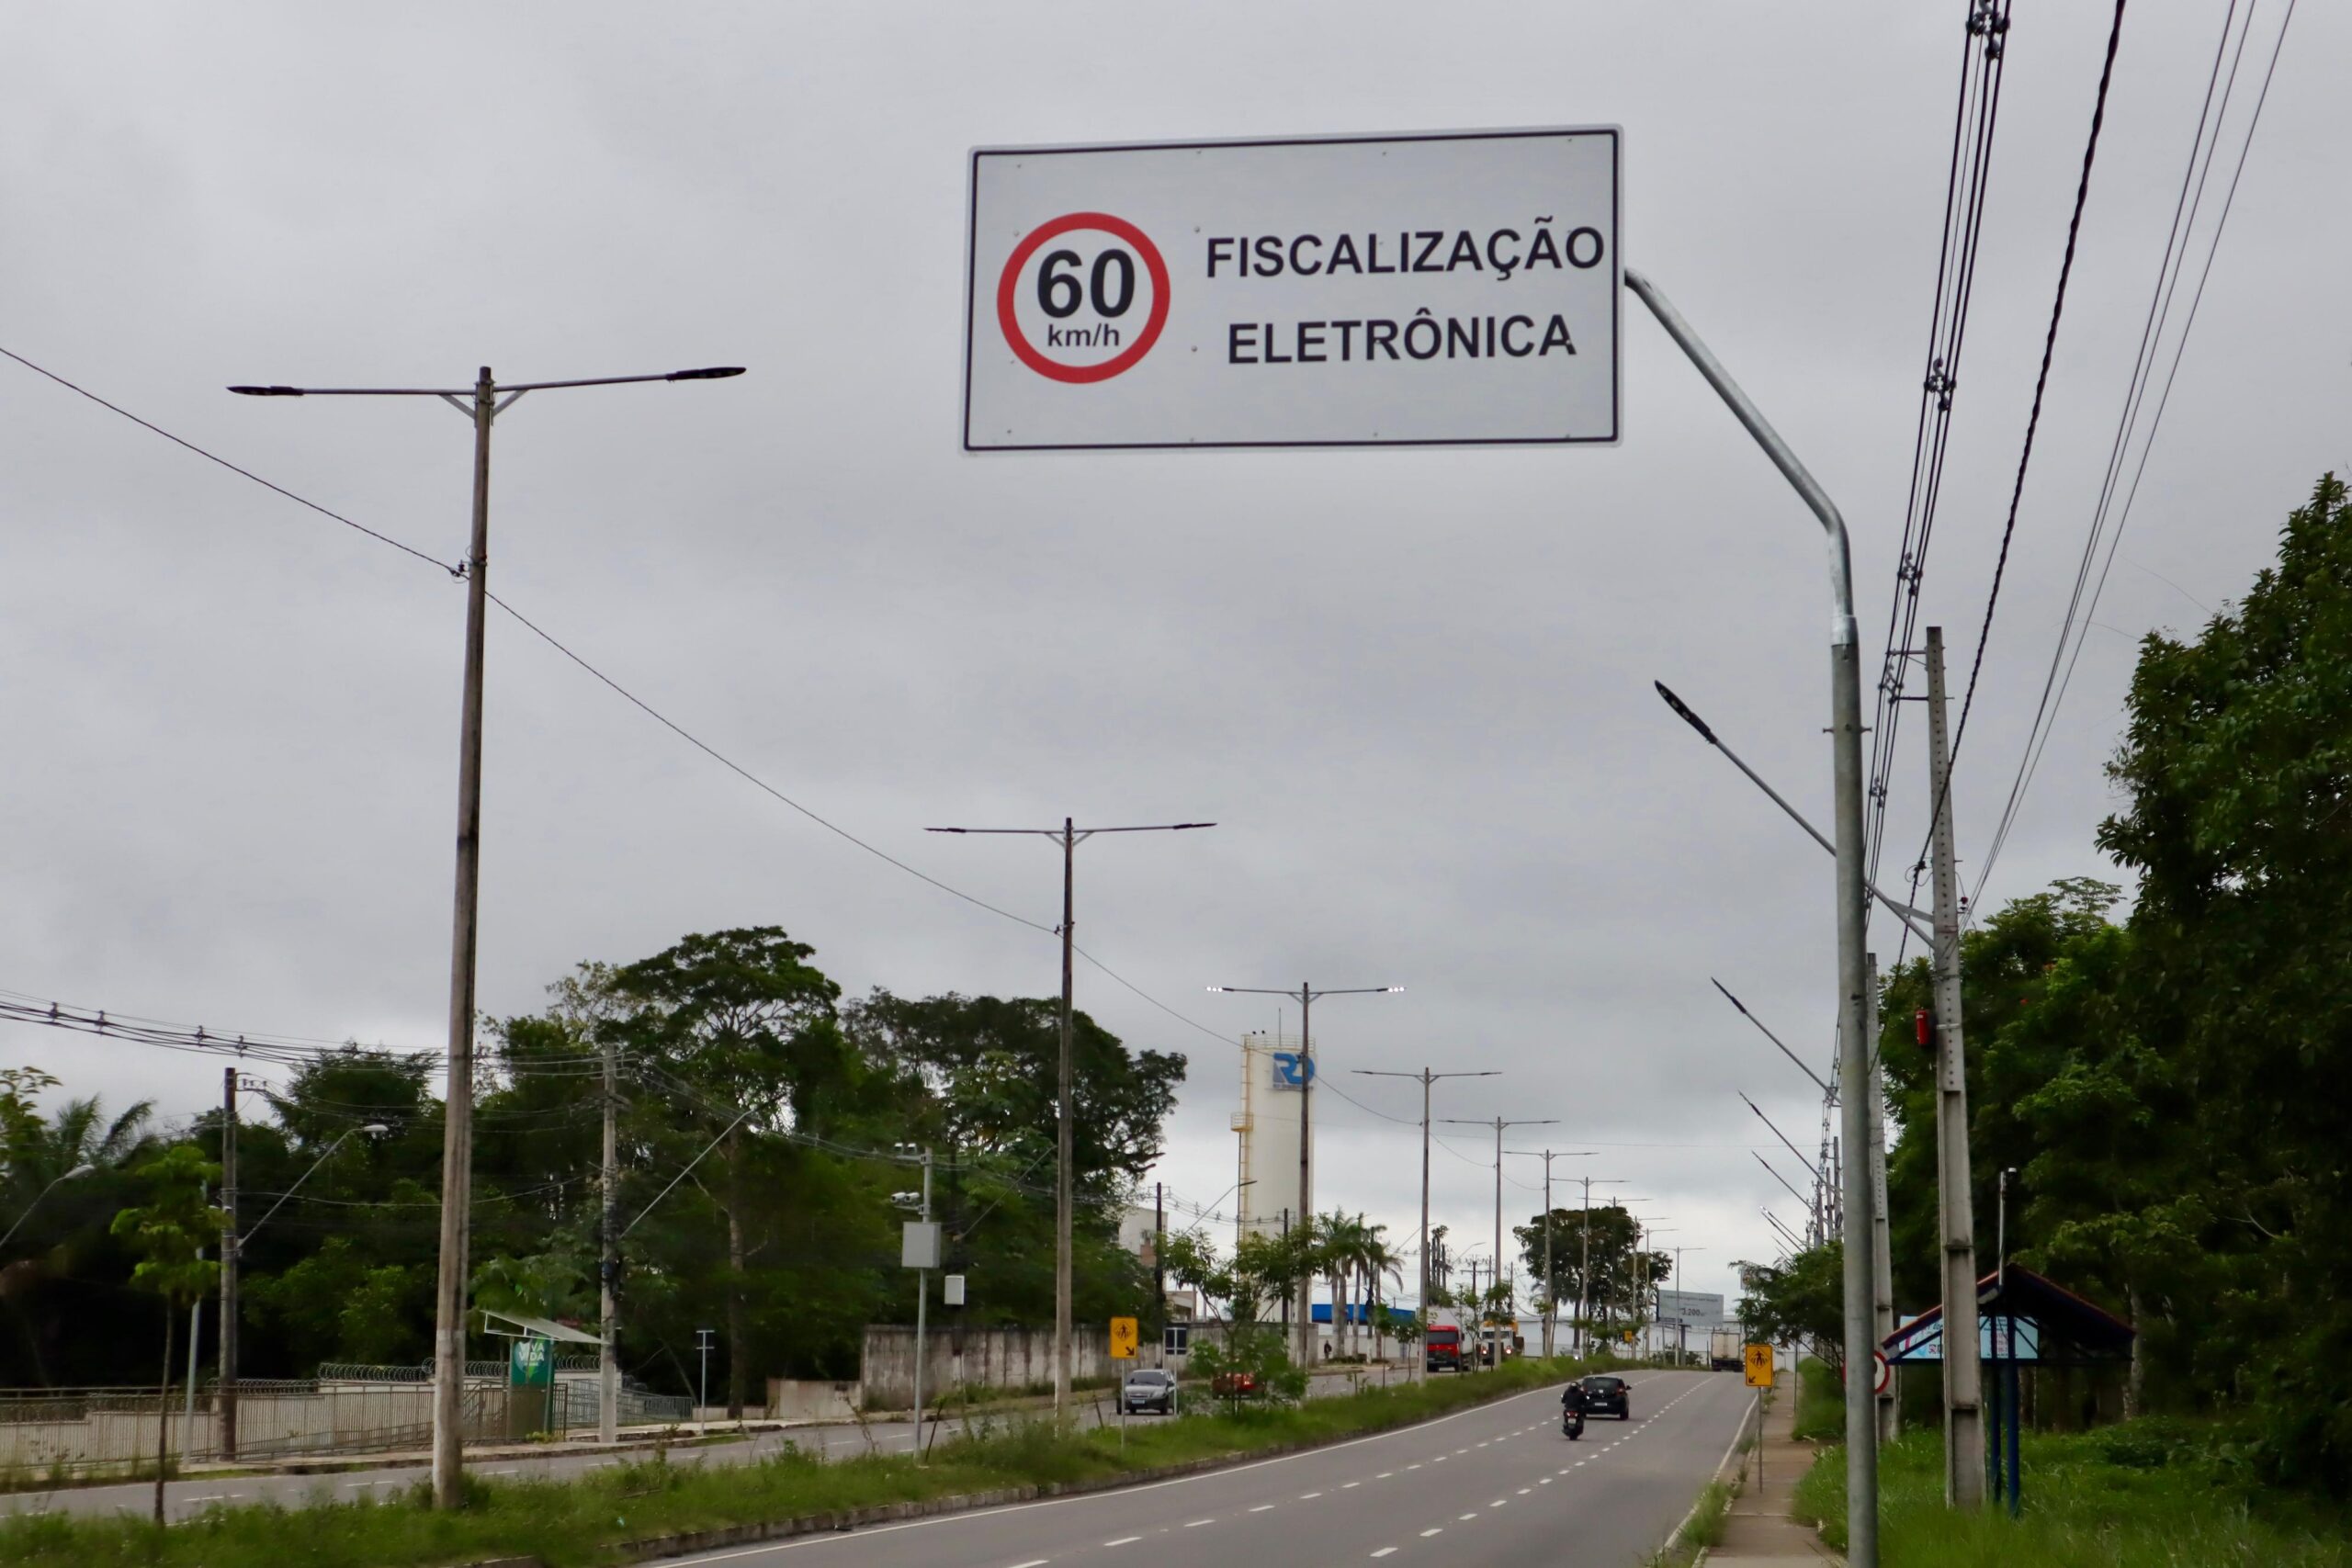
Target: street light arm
x=683 y=1174
x=1841 y=571
x=282 y=1197
x=53 y=1186
x=710 y=373
x=1904 y=912
x=1775 y=1039
x=1808 y=1164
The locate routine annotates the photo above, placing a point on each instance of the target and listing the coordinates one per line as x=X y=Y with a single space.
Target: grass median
x=2149 y=1494
x=585 y=1522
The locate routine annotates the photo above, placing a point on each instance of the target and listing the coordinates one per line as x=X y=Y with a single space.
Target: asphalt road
x=185 y=1499
x=1494 y=1485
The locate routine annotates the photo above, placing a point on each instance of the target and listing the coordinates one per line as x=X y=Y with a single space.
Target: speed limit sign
x=1444 y=288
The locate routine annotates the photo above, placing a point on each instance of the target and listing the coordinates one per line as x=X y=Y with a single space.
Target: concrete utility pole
x=1551 y=1306
x=481 y=402
x=1852 y=888
x=1890 y=1413
x=227 y=1423
x=1964 y=1373
x=1305 y=996
x=1499 y=1124
x=608 y=1366
x=1425 y=1077
x=1069 y=836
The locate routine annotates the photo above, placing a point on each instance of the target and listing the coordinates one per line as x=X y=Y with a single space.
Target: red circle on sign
x=1010 y=322
x=1885 y=1372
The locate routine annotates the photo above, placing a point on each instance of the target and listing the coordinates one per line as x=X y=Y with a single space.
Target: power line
x=2081 y=607
x=246 y=473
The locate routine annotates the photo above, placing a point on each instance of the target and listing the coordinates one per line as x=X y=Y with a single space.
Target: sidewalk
x=1759 y=1532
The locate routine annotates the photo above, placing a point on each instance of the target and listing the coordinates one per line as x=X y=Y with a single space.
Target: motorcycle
x=1572 y=1424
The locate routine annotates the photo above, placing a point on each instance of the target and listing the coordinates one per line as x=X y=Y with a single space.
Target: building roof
x=2054 y=1324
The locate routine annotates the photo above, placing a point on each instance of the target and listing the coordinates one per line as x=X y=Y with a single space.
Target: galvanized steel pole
x=1853 y=1045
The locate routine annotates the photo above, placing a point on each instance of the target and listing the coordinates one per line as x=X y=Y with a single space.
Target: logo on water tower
x=1290 y=1070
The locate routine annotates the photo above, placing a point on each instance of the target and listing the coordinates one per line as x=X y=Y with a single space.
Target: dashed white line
x=1523 y=1491
x=1412 y=1467
x=1440 y=1531
x=1195 y=1524
x=1383 y=1475
x=1308 y=1497
x=1033 y=1562
x=1261 y=1507
x=1498 y=1502
x=1124 y=1540
x=1383 y=1552
x=1469 y=1516
x=1347 y=1486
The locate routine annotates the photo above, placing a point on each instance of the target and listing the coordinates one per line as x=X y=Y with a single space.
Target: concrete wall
x=1007 y=1358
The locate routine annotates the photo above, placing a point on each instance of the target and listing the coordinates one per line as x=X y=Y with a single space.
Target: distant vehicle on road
x=1234 y=1385
x=1442 y=1349
x=1605 y=1395
x=1150 y=1389
x=1726 y=1351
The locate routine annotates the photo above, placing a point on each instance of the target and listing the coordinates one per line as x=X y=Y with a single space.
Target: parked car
x=1150 y=1389
x=1234 y=1385
x=1608 y=1395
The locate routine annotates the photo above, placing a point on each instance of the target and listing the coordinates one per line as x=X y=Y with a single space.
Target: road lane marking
x=1124 y=1540
x=1308 y=1497
x=1440 y=1531
x=1195 y=1524
x=1383 y=1475
x=1261 y=1507
x=1523 y=1491
x=1410 y=1467
x=1498 y=1502
x=1383 y=1552
x=1546 y=1481
x=1033 y=1562
x=1468 y=1516
x=1349 y=1485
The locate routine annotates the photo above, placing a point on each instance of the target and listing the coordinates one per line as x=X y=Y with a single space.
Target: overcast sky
x=1412 y=687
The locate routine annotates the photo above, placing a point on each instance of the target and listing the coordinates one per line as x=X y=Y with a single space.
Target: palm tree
x=1380 y=1263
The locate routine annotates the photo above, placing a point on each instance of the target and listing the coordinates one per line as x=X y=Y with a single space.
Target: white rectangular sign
x=1453 y=288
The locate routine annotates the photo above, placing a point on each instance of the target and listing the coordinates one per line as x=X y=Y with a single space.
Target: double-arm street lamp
x=482 y=402
x=1425 y=1077
x=1305 y=996
x=1069 y=836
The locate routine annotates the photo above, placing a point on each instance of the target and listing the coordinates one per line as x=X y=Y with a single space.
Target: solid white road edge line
x=1729 y=1450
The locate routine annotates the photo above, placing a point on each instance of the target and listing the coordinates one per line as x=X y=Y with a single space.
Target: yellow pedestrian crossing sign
x=1123 y=1338
x=1760 y=1366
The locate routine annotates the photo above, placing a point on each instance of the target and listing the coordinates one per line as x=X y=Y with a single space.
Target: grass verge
x=585 y=1523
x=2149 y=1494
x=1703 y=1531
x=1821 y=1402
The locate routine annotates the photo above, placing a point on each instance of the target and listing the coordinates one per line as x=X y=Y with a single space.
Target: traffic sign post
x=1456 y=289
x=1124 y=1340
x=1759 y=1361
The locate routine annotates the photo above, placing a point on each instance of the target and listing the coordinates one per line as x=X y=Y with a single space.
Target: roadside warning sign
x=1453 y=288
x=1123 y=1338
x=1760 y=1366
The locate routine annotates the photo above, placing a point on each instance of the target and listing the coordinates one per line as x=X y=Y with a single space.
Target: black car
x=1607 y=1395
x=1151 y=1389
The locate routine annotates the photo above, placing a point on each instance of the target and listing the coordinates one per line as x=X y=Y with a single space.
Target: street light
x=1305 y=995
x=1499 y=1124
x=1070 y=836
x=482 y=402
x=1853 y=922
x=78 y=1170
x=1425 y=1077
x=1551 y=1306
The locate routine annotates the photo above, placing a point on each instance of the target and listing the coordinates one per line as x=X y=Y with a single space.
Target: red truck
x=1442 y=1349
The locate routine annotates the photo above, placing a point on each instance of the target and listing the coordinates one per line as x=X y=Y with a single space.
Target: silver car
x=1149 y=1389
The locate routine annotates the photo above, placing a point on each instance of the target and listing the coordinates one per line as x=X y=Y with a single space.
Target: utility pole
x=1551 y=1307
x=1069 y=836
x=1305 y=995
x=1426 y=1078
x=1964 y=1373
x=1853 y=888
x=922 y=1308
x=1583 y=1267
x=1159 y=1263
x=1499 y=1124
x=482 y=402
x=1890 y=1412
x=227 y=1422
x=608 y=1366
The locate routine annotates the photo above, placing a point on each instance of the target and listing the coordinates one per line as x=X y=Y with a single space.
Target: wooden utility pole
x=1964 y=1373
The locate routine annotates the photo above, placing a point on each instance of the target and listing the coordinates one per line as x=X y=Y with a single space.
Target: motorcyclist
x=1572 y=1408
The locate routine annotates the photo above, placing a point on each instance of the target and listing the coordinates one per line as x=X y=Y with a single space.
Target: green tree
x=169 y=1232
x=1800 y=1301
x=748 y=1024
